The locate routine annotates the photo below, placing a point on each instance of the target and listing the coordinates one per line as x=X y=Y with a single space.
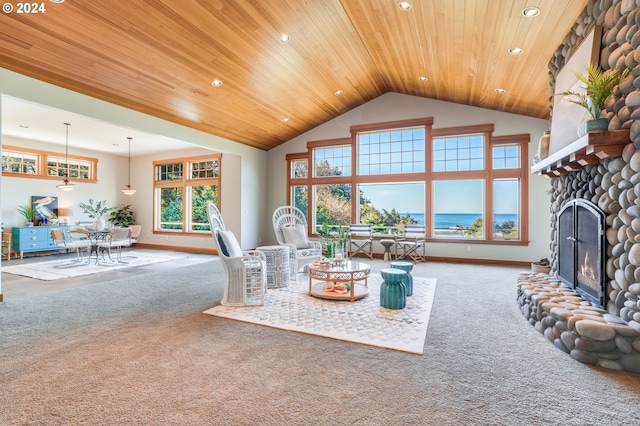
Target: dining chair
x=60 y=239
x=136 y=230
x=6 y=245
x=117 y=238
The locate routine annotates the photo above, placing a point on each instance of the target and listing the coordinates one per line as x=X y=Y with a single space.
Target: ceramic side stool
x=408 y=280
x=392 y=291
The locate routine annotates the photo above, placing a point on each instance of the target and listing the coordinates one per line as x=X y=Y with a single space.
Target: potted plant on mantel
x=599 y=86
x=96 y=212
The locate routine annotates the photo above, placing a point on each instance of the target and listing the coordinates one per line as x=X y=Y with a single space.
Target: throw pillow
x=228 y=244
x=295 y=235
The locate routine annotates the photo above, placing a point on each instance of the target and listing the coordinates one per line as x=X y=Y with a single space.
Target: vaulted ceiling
x=160 y=57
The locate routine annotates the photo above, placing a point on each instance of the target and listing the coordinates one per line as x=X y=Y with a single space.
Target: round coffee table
x=353 y=273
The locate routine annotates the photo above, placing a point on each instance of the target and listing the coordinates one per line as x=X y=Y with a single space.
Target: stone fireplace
x=595 y=315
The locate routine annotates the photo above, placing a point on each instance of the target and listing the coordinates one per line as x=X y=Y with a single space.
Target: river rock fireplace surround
x=602 y=330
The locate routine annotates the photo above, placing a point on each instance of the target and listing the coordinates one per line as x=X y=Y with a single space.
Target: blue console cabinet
x=34 y=238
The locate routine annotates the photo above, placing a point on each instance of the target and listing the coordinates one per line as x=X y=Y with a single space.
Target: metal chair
x=60 y=239
x=413 y=244
x=118 y=238
x=290 y=226
x=245 y=272
x=360 y=240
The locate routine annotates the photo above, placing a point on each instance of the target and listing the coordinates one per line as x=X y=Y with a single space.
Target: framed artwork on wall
x=46 y=208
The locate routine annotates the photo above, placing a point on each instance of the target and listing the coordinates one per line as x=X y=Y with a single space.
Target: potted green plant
x=599 y=86
x=29 y=213
x=96 y=212
x=122 y=216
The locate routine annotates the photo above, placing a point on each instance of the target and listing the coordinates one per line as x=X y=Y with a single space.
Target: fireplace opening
x=581 y=250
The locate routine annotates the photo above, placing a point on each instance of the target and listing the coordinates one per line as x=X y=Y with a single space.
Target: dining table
x=94 y=237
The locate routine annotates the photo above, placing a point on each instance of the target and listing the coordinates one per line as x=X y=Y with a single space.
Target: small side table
x=387 y=244
x=278 y=265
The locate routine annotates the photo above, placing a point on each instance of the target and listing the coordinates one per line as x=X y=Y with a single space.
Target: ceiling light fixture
x=515 y=50
x=216 y=83
x=127 y=189
x=286 y=119
x=530 y=12
x=422 y=78
x=404 y=5
x=284 y=38
x=499 y=90
x=339 y=92
x=66 y=185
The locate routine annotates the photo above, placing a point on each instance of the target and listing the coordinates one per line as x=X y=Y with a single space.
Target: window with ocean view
x=461 y=183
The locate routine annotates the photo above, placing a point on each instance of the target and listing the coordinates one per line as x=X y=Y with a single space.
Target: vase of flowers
x=96 y=212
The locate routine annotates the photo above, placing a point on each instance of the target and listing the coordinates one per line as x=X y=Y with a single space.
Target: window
x=334 y=161
x=28 y=163
x=455 y=153
x=19 y=162
x=467 y=186
x=391 y=151
x=183 y=188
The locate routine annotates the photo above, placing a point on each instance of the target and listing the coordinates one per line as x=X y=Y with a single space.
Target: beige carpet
x=68 y=267
x=363 y=321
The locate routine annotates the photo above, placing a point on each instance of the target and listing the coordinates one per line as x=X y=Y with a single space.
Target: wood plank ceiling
x=160 y=57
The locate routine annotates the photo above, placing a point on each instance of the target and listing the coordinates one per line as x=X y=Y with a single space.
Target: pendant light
x=66 y=185
x=127 y=189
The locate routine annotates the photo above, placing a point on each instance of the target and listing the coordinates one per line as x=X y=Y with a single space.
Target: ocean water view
x=449 y=220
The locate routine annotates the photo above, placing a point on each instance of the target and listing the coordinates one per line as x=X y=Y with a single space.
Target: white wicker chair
x=245 y=272
x=287 y=222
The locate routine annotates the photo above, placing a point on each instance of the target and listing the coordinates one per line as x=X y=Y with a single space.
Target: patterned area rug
x=363 y=321
x=57 y=269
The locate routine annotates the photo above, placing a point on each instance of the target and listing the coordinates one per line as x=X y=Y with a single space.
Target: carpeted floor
x=139 y=351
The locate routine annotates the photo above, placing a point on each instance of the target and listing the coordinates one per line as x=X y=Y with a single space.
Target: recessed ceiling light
x=422 y=78
x=286 y=119
x=216 y=83
x=515 y=50
x=56 y=1
x=530 y=11
x=284 y=38
x=24 y=126
x=339 y=92
x=500 y=90
x=404 y=5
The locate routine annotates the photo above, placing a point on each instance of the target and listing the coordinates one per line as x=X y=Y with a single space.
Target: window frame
x=186 y=182
x=487 y=174
x=42 y=160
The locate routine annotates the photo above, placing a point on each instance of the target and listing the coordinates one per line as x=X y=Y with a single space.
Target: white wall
x=394 y=106
x=244 y=184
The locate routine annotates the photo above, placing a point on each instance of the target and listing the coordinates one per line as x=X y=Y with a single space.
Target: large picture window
x=183 y=187
x=462 y=183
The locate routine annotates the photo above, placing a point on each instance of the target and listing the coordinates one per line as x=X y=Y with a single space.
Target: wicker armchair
x=290 y=227
x=245 y=272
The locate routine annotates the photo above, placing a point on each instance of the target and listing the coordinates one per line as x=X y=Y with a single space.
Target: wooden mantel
x=589 y=149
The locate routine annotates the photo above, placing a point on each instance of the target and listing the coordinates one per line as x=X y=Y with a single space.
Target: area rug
x=67 y=268
x=363 y=321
